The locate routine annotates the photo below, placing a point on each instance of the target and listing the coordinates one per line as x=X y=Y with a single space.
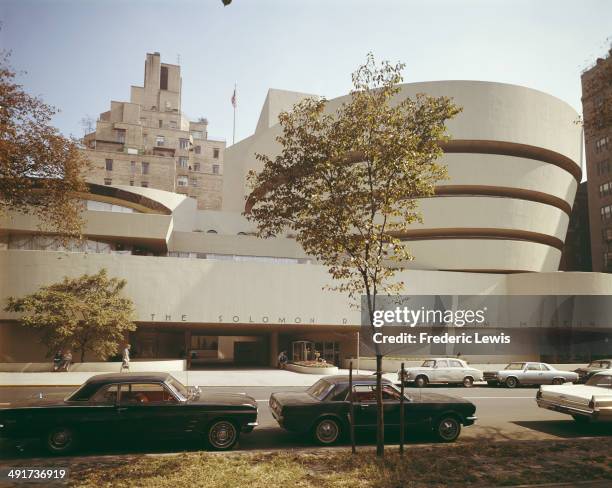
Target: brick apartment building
x=597 y=113
x=148 y=141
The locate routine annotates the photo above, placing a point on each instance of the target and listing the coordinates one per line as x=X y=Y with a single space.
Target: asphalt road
x=502 y=415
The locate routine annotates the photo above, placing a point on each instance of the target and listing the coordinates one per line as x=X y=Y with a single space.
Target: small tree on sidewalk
x=86 y=313
x=346 y=183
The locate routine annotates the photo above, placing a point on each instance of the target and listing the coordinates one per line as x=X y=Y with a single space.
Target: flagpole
x=234 y=104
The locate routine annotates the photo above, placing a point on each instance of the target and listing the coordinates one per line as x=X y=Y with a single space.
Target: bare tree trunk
x=380 y=417
x=83 y=354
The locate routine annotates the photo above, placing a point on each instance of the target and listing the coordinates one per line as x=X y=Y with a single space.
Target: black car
x=147 y=406
x=323 y=409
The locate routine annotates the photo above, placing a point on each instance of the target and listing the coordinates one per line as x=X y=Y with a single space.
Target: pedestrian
x=57 y=360
x=126 y=358
x=282 y=360
x=66 y=361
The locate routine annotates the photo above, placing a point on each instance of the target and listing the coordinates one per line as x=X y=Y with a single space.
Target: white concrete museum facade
x=205 y=287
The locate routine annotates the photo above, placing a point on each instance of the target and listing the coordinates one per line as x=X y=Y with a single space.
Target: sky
x=78 y=55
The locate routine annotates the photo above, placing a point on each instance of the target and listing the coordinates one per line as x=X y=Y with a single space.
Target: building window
x=107 y=181
x=163 y=78
x=131 y=182
x=161 y=123
x=121 y=136
x=603 y=167
x=602 y=144
x=216 y=153
x=196 y=166
x=184 y=143
x=109 y=165
x=159 y=140
x=173 y=124
x=145 y=168
x=183 y=161
x=194 y=182
x=145 y=184
x=133 y=166
x=605 y=189
x=197 y=134
x=198 y=149
x=215 y=169
x=606 y=212
x=181 y=181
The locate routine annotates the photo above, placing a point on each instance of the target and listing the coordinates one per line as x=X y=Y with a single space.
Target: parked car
x=145 y=406
x=443 y=370
x=322 y=411
x=591 y=402
x=528 y=373
x=593 y=367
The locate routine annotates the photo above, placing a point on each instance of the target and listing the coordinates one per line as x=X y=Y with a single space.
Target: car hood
x=45 y=401
x=293 y=398
x=573 y=393
x=427 y=397
x=225 y=399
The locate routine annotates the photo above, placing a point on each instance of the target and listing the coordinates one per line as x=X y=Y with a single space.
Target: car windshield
x=604 y=381
x=320 y=389
x=599 y=364
x=177 y=386
x=428 y=364
x=515 y=366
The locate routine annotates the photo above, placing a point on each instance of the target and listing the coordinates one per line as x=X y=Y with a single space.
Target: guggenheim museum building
x=206 y=288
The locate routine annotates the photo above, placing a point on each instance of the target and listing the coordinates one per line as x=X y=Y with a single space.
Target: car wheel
x=327 y=431
x=468 y=381
x=558 y=381
x=222 y=435
x=511 y=382
x=420 y=381
x=447 y=428
x=61 y=440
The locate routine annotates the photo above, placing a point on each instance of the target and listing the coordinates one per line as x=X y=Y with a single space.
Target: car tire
x=327 y=431
x=468 y=382
x=421 y=381
x=558 y=381
x=447 y=428
x=61 y=440
x=222 y=435
x=511 y=382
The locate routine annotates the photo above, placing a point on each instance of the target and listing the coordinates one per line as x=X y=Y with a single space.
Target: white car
x=591 y=402
x=441 y=370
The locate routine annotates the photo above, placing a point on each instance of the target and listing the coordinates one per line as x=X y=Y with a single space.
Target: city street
x=502 y=415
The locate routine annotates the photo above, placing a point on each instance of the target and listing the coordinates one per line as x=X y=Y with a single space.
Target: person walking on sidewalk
x=66 y=361
x=126 y=358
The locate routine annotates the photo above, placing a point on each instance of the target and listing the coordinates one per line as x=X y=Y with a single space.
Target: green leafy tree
x=346 y=183
x=86 y=313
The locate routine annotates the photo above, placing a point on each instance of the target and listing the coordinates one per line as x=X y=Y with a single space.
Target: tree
x=346 y=183
x=86 y=313
x=40 y=170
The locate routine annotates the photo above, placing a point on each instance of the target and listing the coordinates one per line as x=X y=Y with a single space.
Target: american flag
x=234 y=98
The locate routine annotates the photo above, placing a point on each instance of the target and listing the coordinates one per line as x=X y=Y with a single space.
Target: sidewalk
x=208 y=377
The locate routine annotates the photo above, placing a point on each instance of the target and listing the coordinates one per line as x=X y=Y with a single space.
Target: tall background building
x=148 y=141
x=597 y=113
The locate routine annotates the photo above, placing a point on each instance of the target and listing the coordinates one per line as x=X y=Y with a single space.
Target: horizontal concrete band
x=479 y=233
x=506 y=192
x=502 y=148
x=505 y=148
